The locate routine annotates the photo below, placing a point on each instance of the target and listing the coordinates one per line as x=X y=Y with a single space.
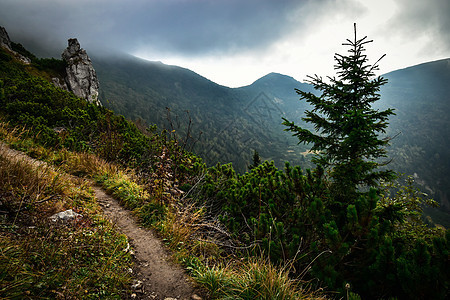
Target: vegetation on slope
x=372 y=244
x=235 y=122
x=421 y=97
x=225 y=125
x=160 y=163
x=84 y=258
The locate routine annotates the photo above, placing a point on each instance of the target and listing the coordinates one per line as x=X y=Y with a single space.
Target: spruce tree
x=347 y=129
x=256 y=160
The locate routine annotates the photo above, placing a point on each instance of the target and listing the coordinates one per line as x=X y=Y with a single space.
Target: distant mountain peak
x=275 y=76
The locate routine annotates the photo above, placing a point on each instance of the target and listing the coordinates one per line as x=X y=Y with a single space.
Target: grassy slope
x=210 y=216
x=225 y=278
x=42 y=259
x=81 y=260
x=235 y=122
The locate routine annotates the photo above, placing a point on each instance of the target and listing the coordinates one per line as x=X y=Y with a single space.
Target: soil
x=161 y=279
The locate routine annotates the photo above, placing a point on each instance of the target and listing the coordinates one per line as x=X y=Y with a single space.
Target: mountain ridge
x=279 y=212
x=224 y=124
x=235 y=122
x=272 y=75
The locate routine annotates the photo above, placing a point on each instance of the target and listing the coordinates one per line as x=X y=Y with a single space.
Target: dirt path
x=159 y=279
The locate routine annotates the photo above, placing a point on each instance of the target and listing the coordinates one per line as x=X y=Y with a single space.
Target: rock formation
x=5 y=42
x=81 y=78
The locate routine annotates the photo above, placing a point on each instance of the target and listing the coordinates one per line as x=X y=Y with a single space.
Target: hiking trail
x=157 y=277
x=161 y=279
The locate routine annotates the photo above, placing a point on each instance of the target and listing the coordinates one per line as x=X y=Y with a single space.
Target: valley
x=227 y=125
x=227 y=189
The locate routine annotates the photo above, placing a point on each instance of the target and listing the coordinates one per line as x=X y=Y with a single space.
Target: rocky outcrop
x=81 y=78
x=5 y=42
x=61 y=83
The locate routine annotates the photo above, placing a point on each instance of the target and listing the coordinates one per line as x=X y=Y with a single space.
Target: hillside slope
x=227 y=124
x=421 y=98
x=229 y=230
x=46 y=121
x=235 y=122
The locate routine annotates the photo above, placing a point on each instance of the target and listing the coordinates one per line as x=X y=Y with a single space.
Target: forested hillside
x=285 y=232
x=421 y=97
x=229 y=124
x=225 y=125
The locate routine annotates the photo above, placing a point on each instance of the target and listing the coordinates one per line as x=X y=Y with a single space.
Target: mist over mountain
x=223 y=124
x=228 y=124
x=381 y=241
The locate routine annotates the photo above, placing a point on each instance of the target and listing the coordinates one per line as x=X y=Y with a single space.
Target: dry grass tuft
x=11 y=135
x=257 y=278
x=26 y=184
x=180 y=224
x=84 y=164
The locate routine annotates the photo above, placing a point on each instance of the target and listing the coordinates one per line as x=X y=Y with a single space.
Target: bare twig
x=46 y=199
x=211 y=227
x=230 y=246
x=193 y=187
x=309 y=265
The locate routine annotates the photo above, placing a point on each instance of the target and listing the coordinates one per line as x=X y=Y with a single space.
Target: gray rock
x=81 y=77
x=65 y=216
x=5 y=42
x=137 y=285
x=60 y=83
x=59 y=130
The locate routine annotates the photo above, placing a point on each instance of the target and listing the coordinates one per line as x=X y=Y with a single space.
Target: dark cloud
x=195 y=27
x=191 y=27
x=295 y=37
x=415 y=19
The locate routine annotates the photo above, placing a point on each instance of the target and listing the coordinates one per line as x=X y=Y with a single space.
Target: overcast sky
x=234 y=42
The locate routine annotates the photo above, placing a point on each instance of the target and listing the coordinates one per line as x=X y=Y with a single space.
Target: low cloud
x=424 y=19
x=238 y=37
x=192 y=28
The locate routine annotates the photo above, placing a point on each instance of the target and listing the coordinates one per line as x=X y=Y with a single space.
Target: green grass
x=256 y=278
x=83 y=259
x=181 y=224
